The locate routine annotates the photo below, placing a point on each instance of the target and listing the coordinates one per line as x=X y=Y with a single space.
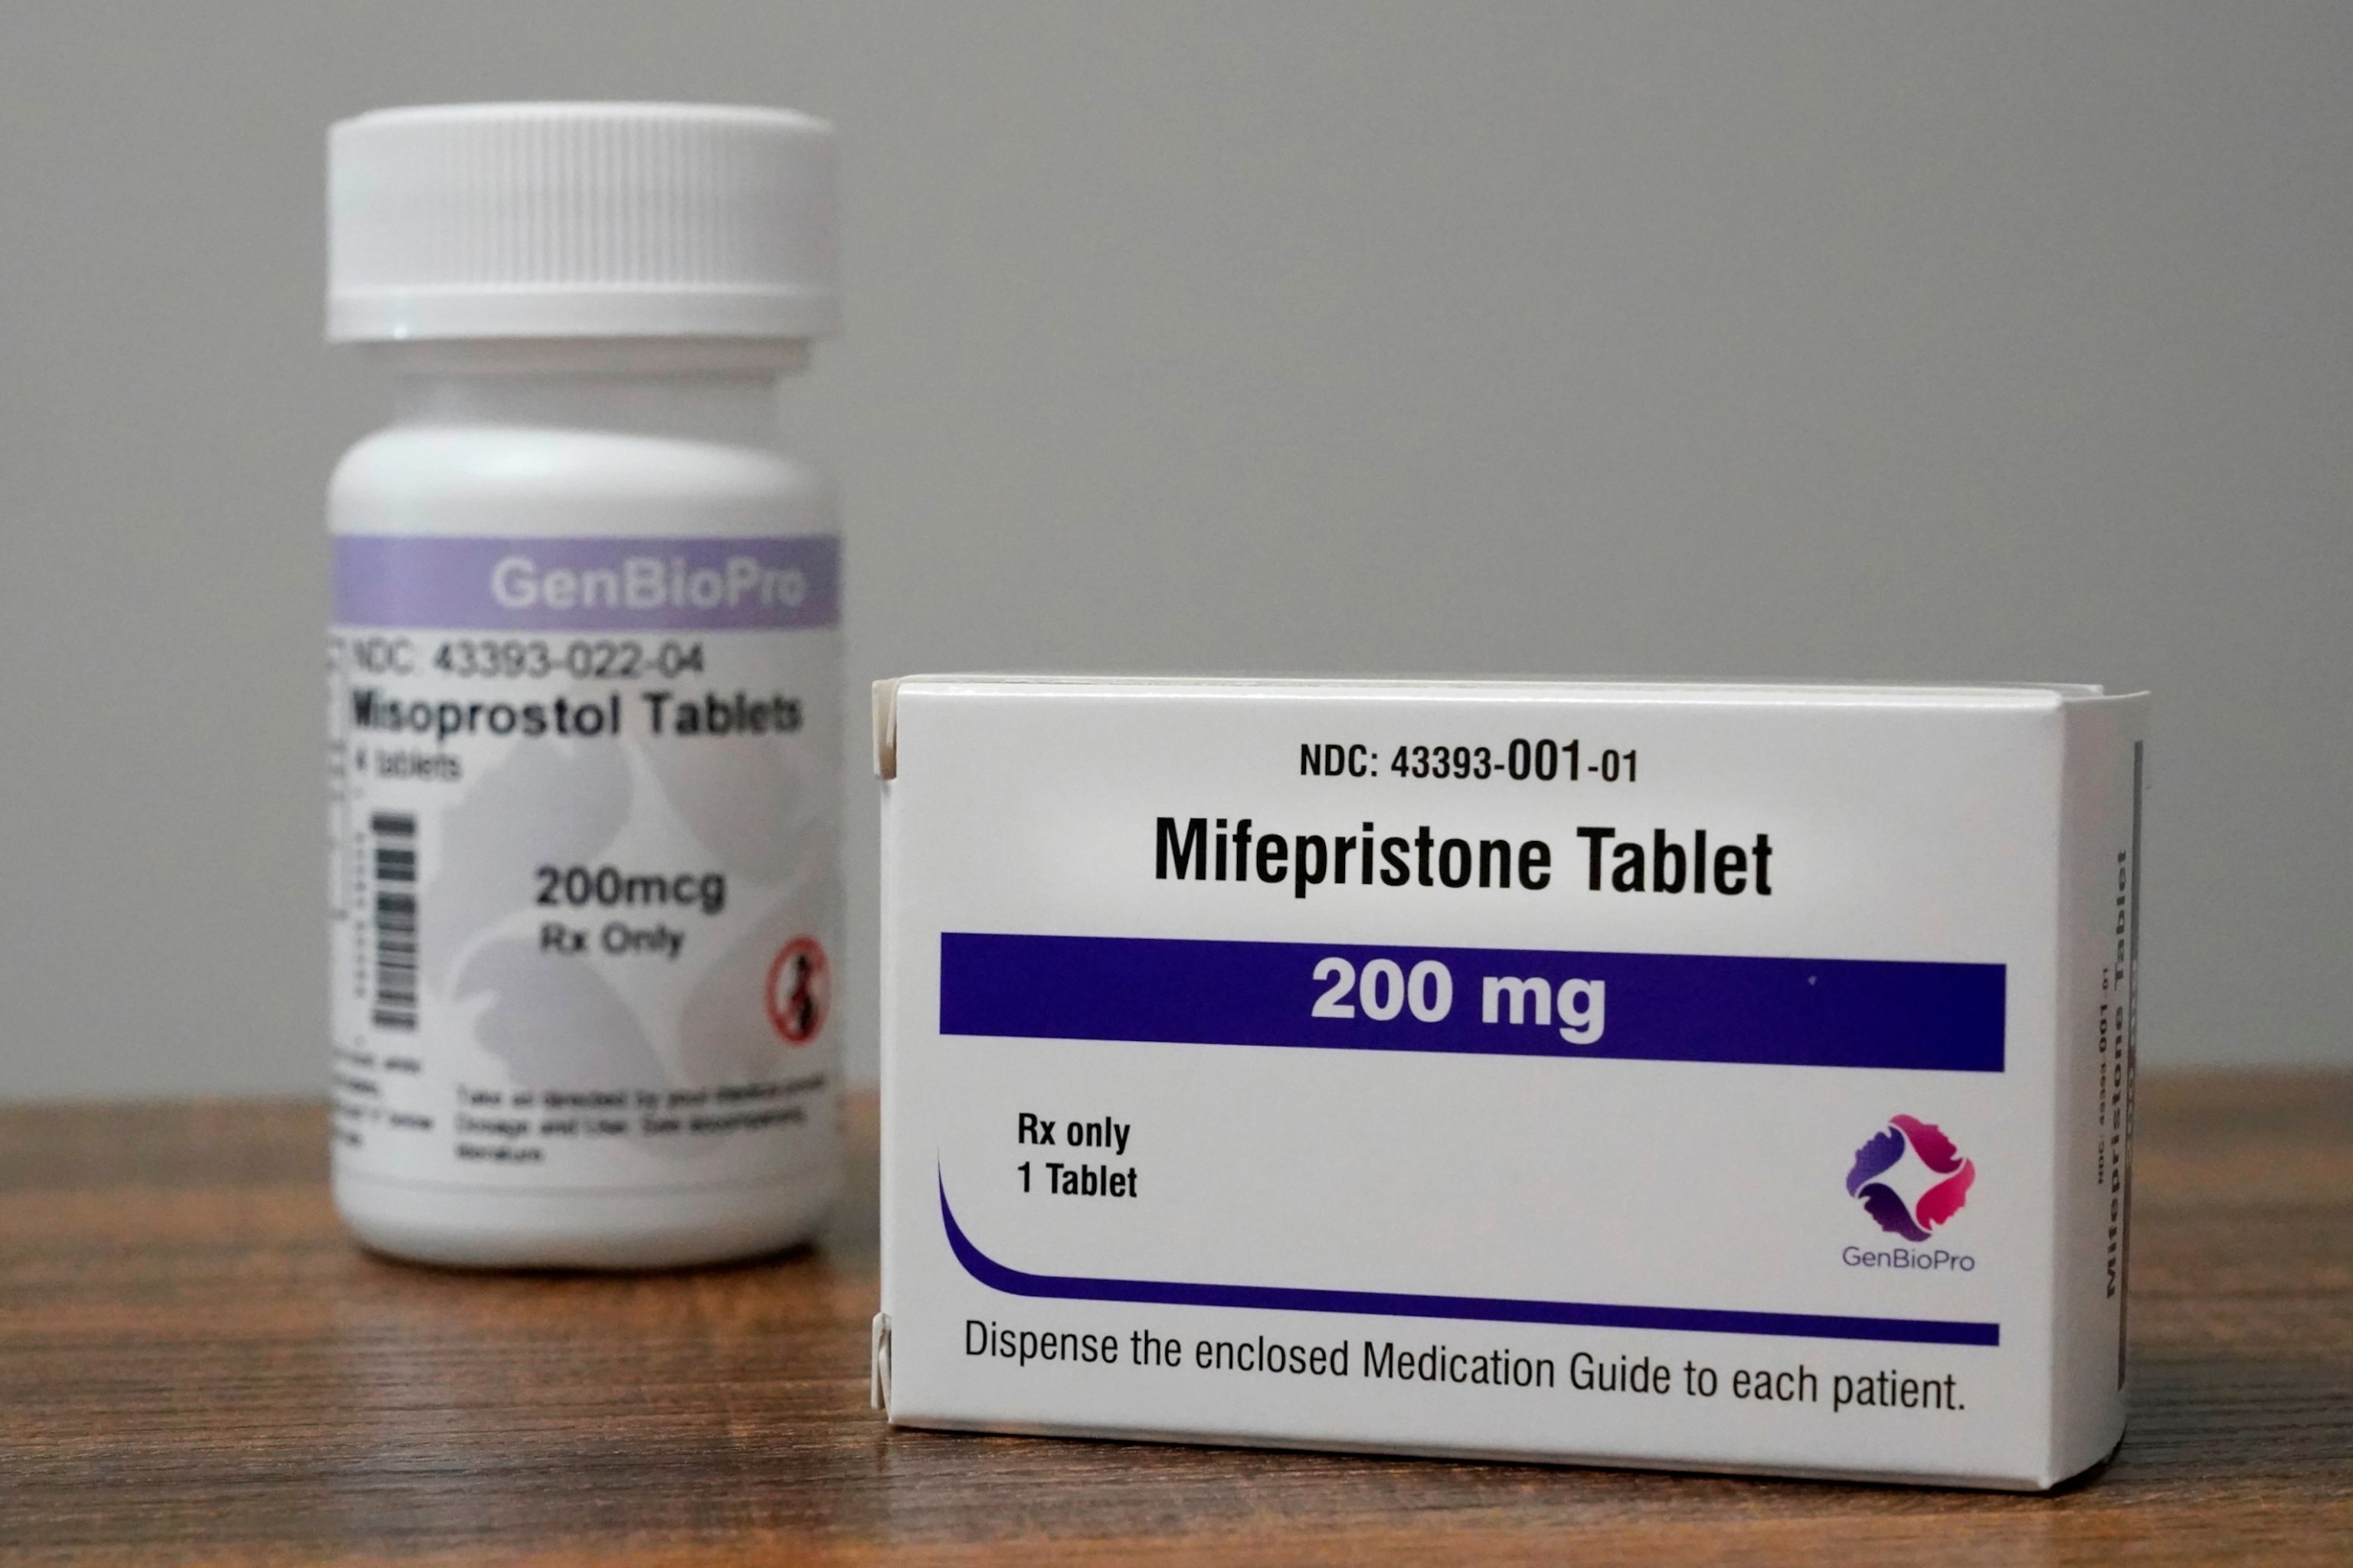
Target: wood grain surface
x=196 y=1366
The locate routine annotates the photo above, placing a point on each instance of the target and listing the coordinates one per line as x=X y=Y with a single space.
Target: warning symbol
x=800 y=990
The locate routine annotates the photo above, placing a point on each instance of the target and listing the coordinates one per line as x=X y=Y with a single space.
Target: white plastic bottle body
x=585 y=739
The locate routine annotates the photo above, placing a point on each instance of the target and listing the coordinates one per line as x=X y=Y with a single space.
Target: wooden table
x=195 y=1366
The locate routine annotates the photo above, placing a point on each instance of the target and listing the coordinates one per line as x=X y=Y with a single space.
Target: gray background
x=1955 y=341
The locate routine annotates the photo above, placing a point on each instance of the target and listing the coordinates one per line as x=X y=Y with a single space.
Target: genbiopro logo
x=1910 y=1156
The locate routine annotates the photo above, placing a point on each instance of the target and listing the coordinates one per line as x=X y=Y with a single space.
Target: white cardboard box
x=1705 y=1077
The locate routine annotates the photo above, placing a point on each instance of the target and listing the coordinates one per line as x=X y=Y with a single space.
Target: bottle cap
x=580 y=220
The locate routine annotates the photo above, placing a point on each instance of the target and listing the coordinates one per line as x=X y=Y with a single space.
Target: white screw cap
x=580 y=220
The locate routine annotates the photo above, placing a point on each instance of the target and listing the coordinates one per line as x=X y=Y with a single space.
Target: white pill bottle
x=584 y=670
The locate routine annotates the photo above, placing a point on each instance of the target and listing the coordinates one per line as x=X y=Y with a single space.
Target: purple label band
x=474 y=584
x=1467 y=1308
x=1636 y=1007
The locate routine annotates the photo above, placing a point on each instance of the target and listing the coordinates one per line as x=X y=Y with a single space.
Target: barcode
x=396 y=919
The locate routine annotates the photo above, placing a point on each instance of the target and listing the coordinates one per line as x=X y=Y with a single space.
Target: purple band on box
x=581 y=584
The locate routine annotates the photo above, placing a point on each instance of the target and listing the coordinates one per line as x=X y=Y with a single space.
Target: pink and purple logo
x=1881 y=1175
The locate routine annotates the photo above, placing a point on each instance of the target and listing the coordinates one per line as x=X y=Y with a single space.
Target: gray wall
x=1995 y=340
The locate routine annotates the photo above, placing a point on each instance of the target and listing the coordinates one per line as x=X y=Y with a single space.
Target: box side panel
x=892 y=1001
x=2105 y=767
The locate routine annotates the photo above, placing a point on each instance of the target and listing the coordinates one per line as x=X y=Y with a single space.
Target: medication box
x=1703 y=1077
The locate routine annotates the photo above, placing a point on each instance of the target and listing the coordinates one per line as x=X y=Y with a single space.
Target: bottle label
x=586 y=890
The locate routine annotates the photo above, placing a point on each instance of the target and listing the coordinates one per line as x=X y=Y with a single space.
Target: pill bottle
x=585 y=672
